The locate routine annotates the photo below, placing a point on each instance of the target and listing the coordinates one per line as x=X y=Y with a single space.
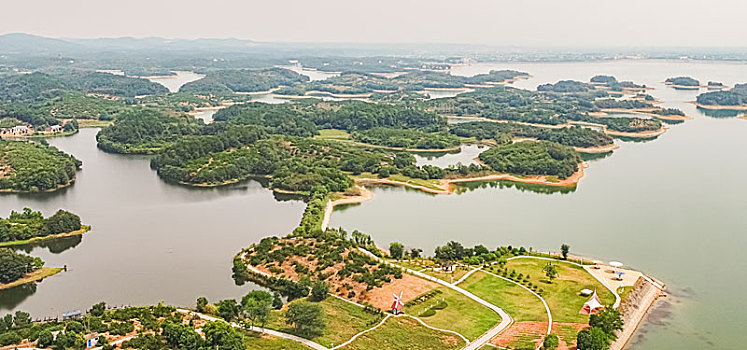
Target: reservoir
x=672 y=207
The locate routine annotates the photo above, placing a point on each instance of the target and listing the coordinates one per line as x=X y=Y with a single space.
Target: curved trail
x=363 y=332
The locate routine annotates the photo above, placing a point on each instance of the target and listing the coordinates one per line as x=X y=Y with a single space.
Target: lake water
x=174 y=82
x=672 y=207
x=150 y=240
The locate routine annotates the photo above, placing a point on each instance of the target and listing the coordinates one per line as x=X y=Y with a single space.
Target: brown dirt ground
x=409 y=285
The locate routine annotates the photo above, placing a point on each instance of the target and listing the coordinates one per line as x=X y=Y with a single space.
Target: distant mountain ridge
x=22 y=43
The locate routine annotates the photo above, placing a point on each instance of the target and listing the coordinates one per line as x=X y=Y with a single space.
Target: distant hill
x=16 y=43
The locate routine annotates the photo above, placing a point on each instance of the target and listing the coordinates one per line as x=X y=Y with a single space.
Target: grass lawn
x=34 y=276
x=517 y=301
x=92 y=123
x=343 y=320
x=406 y=334
x=333 y=134
x=624 y=292
x=462 y=315
x=432 y=184
x=562 y=295
x=258 y=341
x=459 y=271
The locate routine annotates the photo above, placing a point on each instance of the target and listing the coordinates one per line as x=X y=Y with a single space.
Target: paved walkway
x=506 y=319
x=271 y=332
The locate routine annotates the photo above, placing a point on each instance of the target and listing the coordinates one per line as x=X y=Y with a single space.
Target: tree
x=319 y=291
x=396 y=250
x=98 y=309
x=201 y=303
x=551 y=342
x=564 y=249
x=277 y=301
x=13 y=265
x=592 y=339
x=220 y=335
x=609 y=320
x=63 y=221
x=415 y=252
x=228 y=309
x=551 y=271
x=21 y=319
x=306 y=318
x=257 y=305
x=45 y=339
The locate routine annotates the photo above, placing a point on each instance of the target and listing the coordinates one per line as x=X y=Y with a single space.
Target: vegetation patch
x=406 y=334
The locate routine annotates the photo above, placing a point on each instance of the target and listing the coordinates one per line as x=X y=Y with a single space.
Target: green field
x=343 y=320
x=404 y=333
x=562 y=295
x=257 y=341
x=333 y=134
x=517 y=301
x=462 y=315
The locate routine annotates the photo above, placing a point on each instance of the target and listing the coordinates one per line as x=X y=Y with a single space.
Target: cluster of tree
x=615 y=85
x=668 y=111
x=371 y=64
x=505 y=132
x=565 y=86
x=29 y=224
x=621 y=104
x=145 y=131
x=286 y=118
x=603 y=330
x=15 y=265
x=533 y=158
x=454 y=251
x=625 y=124
x=221 y=82
x=114 y=85
x=683 y=81
x=406 y=138
x=737 y=96
x=33 y=167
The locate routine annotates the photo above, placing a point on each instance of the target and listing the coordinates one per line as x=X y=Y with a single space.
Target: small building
x=54 y=129
x=71 y=314
x=19 y=130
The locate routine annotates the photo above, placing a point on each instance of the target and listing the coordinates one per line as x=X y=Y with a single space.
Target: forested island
x=683 y=83
x=35 y=167
x=243 y=81
x=735 y=98
x=28 y=226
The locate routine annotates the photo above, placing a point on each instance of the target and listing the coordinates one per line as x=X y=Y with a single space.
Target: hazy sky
x=493 y=22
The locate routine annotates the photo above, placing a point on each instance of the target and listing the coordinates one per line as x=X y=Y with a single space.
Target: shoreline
x=34 y=276
x=651 y=291
x=59 y=187
x=607 y=111
x=83 y=229
x=742 y=107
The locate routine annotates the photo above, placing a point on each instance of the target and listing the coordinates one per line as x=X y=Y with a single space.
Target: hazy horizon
x=530 y=23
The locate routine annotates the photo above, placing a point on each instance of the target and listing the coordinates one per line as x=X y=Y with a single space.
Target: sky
x=579 y=23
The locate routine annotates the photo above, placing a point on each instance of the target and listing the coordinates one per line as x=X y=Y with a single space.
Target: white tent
x=592 y=304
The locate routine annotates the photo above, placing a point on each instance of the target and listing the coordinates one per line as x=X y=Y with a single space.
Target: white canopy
x=616 y=264
x=586 y=291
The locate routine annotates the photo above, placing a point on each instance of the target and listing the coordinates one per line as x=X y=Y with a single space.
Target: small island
x=683 y=83
x=17 y=269
x=733 y=99
x=27 y=166
x=31 y=226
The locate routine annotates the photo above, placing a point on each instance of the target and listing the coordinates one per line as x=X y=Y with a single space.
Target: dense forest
x=406 y=138
x=737 y=96
x=504 y=132
x=34 y=167
x=145 y=131
x=30 y=224
x=360 y=83
x=532 y=158
x=221 y=82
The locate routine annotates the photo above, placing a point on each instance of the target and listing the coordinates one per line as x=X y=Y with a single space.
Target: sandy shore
x=684 y=87
x=640 y=134
x=37 y=275
x=720 y=107
x=599 y=149
x=258 y=92
x=364 y=195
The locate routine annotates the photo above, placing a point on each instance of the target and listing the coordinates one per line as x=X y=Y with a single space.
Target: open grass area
x=563 y=294
x=461 y=314
x=450 y=277
x=93 y=123
x=517 y=301
x=258 y=341
x=343 y=320
x=624 y=292
x=404 y=333
x=333 y=134
x=37 y=275
x=432 y=184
